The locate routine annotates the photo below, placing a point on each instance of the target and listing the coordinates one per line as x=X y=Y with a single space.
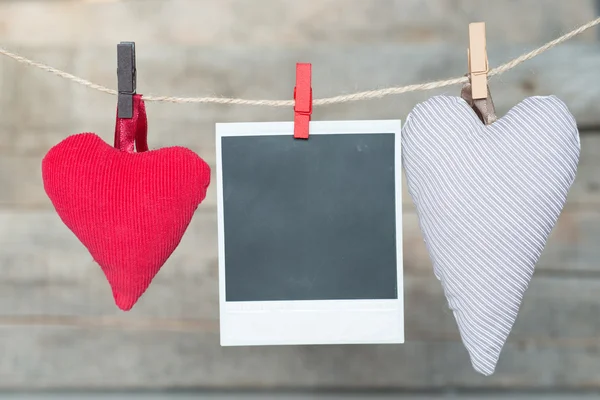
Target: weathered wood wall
x=248 y=49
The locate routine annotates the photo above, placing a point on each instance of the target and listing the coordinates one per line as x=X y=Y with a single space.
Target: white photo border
x=310 y=322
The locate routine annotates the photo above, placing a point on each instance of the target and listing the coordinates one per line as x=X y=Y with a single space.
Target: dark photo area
x=309 y=219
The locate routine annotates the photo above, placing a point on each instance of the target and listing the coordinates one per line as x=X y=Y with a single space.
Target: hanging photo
x=310 y=233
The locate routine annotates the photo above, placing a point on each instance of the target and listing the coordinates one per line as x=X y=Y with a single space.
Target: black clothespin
x=126 y=78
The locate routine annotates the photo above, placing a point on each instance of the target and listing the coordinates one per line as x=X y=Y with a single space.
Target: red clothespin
x=303 y=99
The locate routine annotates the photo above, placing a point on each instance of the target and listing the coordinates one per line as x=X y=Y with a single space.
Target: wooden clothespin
x=478 y=61
x=126 y=79
x=303 y=100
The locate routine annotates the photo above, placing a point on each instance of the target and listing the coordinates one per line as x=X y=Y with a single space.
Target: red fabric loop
x=131 y=134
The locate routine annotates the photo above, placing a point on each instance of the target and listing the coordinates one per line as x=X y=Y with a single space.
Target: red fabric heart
x=129 y=209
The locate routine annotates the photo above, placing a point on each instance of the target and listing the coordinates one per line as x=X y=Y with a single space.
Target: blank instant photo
x=310 y=233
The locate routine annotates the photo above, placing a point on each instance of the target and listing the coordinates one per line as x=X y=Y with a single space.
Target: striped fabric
x=487 y=198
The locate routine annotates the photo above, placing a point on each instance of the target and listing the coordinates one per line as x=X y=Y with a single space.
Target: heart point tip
x=126 y=303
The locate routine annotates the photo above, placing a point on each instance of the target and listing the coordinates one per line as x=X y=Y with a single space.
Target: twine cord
x=366 y=95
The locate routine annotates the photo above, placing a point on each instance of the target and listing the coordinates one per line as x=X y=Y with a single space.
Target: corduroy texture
x=487 y=198
x=130 y=210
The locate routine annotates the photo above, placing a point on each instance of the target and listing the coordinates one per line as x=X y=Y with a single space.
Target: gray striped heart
x=487 y=198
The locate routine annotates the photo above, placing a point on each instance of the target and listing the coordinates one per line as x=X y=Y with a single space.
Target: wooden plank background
x=248 y=49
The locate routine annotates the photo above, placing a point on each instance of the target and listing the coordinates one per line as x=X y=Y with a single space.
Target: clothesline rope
x=370 y=94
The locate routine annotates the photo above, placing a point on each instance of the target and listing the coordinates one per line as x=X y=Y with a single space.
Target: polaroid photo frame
x=310 y=233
